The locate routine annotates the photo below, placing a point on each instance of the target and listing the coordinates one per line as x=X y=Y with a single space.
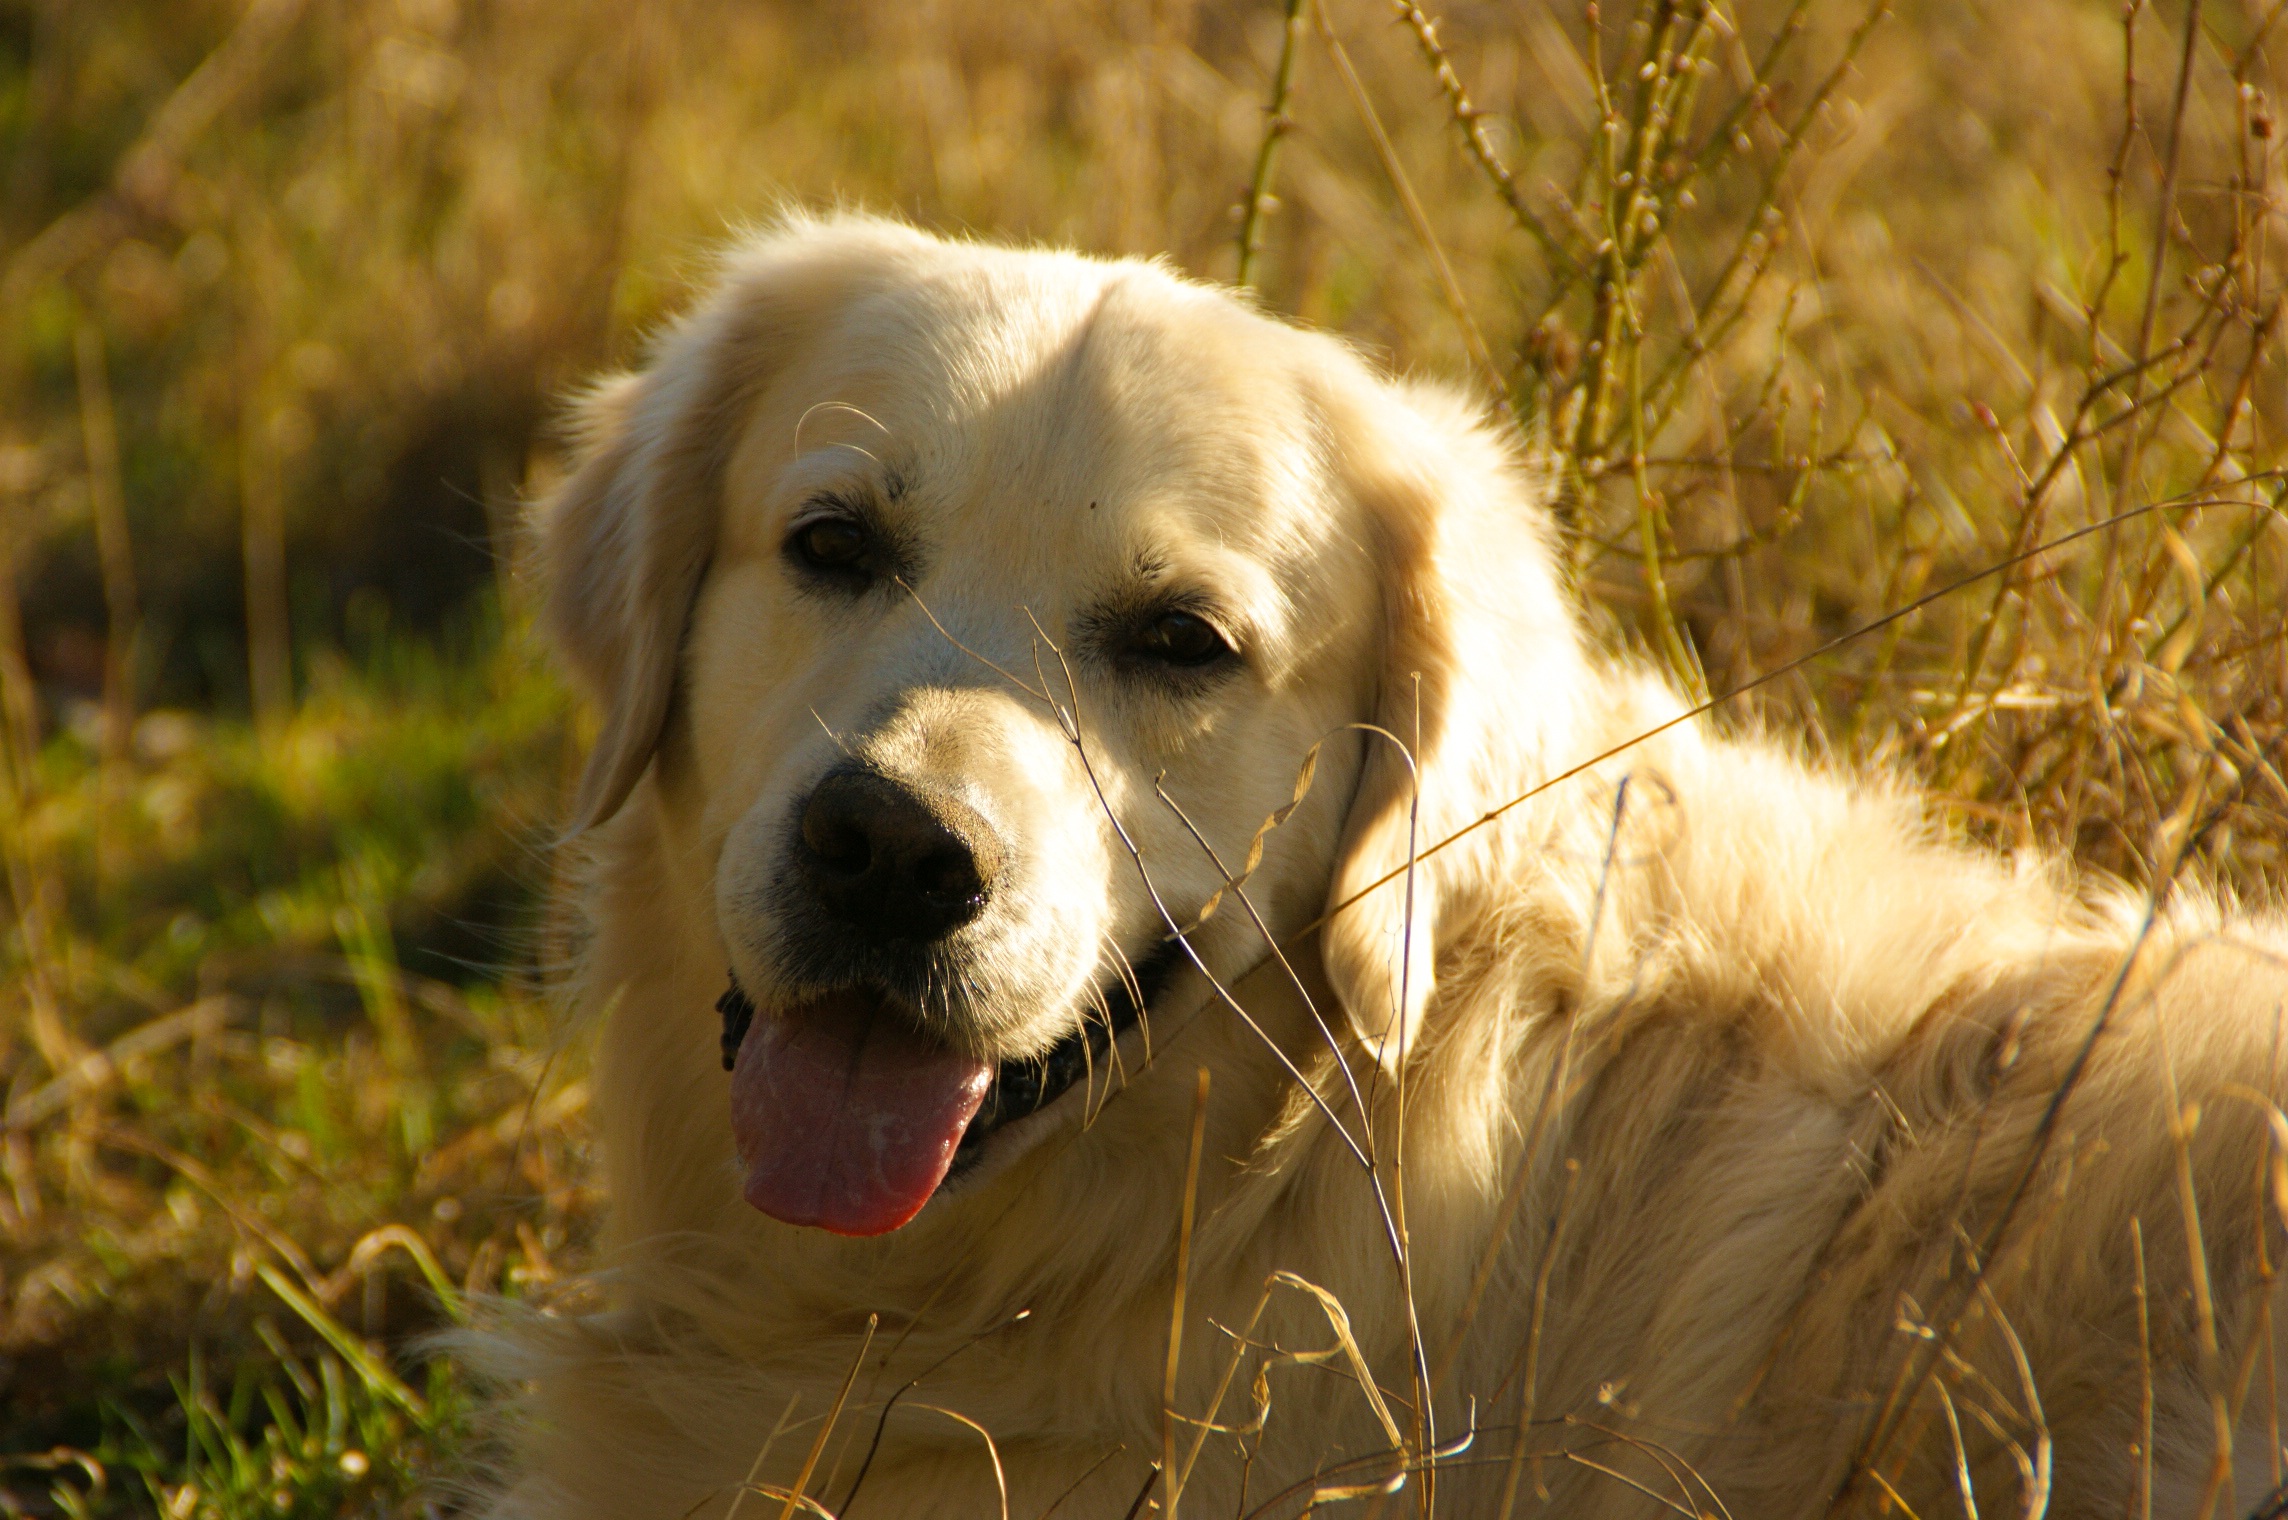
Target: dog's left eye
x=839 y=550
x=830 y=543
x=1182 y=639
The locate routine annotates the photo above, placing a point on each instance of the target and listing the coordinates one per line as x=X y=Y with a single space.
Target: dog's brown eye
x=1181 y=638
x=830 y=543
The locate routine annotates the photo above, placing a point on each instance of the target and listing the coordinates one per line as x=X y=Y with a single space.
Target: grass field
x=1818 y=311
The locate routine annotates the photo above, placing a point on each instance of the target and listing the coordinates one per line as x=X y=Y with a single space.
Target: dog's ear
x=627 y=538
x=1479 y=657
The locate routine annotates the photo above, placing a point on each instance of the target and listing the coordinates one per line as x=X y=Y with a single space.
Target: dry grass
x=1819 y=310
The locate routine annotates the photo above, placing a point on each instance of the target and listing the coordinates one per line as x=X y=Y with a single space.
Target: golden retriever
x=1103 y=1009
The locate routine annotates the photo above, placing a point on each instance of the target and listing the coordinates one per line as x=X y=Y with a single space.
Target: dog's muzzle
x=848 y=1118
x=849 y=1108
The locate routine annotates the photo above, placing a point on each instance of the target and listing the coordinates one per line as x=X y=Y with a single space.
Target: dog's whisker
x=1124 y=969
x=1099 y=1007
x=835 y=406
x=832 y=737
x=1090 y=1103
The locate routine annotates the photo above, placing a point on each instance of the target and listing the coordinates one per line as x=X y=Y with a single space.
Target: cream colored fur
x=1718 y=1068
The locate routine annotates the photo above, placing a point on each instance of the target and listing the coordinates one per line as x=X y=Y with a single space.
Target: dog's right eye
x=1181 y=639
x=831 y=546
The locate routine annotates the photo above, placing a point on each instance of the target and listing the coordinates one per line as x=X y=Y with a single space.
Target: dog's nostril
x=892 y=861
x=948 y=877
x=837 y=842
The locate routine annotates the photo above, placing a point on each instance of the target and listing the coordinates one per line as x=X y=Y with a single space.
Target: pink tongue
x=846 y=1119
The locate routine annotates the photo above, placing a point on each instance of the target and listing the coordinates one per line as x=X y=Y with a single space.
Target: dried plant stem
x=32 y=888
x=19 y=699
x=2125 y=480
x=2173 y=162
x=1170 y=1475
x=992 y=1450
x=1472 y=122
x=1091 y=1471
x=1239 y=1349
x=762 y=1455
x=2035 y=1471
x=882 y=1420
x=1604 y=324
x=1276 y=125
x=1495 y=814
x=262 y=553
x=1963 y=1485
x=2034 y=495
x=1753 y=97
x=794 y=1496
x=2116 y=172
x=2144 y=1509
x=2182 y=1119
x=2266 y=1342
x=1529 y=1381
x=1750 y=260
x=1683 y=665
x=99 y=432
x=1473 y=341
x=1143 y=1495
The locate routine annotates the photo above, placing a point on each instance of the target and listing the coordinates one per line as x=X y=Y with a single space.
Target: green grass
x=296 y=1438
x=367 y=1092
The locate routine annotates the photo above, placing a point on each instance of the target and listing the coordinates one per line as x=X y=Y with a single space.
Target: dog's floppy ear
x=1479 y=657
x=626 y=540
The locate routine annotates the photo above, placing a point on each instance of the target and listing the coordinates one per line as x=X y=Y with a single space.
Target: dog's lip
x=1024 y=1086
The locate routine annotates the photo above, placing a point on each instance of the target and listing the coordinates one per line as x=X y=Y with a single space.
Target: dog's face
x=1017 y=572
x=1019 y=587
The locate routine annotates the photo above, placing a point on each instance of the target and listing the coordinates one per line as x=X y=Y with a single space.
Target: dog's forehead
x=1073 y=407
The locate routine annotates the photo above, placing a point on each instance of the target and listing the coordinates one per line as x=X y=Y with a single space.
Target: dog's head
x=970 y=611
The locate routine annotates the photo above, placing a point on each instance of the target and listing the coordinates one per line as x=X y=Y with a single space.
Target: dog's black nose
x=895 y=862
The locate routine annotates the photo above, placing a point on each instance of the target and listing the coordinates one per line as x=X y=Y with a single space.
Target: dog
x=1142 y=959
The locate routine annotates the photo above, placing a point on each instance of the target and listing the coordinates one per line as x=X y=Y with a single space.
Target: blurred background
x=1812 y=309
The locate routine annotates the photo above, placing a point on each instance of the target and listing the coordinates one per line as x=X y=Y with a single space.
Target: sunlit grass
x=288 y=1006
x=296 y=1437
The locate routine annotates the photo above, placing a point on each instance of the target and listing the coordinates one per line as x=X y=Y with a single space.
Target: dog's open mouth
x=848 y=1118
